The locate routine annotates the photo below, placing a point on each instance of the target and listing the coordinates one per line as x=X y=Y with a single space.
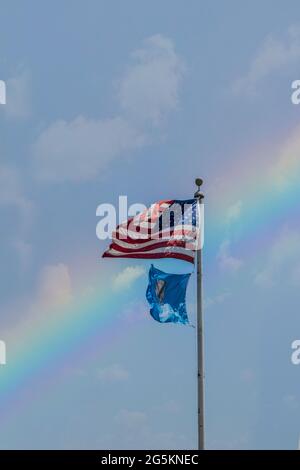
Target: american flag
x=168 y=229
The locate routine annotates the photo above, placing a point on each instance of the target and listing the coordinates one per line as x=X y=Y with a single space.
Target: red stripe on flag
x=190 y=259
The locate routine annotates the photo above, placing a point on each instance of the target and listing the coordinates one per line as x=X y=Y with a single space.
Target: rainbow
x=41 y=341
x=269 y=195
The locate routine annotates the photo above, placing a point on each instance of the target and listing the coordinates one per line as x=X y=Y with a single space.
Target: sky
x=138 y=98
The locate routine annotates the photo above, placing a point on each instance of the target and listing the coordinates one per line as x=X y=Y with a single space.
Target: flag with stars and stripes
x=168 y=229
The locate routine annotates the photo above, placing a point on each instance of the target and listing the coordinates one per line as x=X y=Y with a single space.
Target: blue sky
x=138 y=98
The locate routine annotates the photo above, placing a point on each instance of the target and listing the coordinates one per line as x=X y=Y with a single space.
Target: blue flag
x=166 y=296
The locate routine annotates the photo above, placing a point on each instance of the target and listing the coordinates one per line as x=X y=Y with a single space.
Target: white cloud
x=53 y=290
x=113 y=373
x=134 y=312
x=10 y=188
x=286 y=170
x=283 y=260
x=217 y=300
x=274 y=54
x=80 y=149
x=264 y=278
x=18 y=100
x=127 y=277
x=226 y=260
x=234 y=212
x=54 y=286
x=149 y=90
x=12 y=194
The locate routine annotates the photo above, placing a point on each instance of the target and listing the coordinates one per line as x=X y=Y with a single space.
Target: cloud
x=18 y=99
x=134 y=431
x=286 y=170
x=113 y=373
x=134 y=312
x=80 y=149
x=234 y=212
x=274 y=55
x=217 y=300
x=12 y=195
x=10 y=188
x=55 y=286
x=283 y=260
x=226 y=260
x=53 y=290
x=149 y=89
x=127 y=277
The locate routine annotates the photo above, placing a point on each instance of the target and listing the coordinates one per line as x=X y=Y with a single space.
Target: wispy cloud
x=78 y=150
x=234 y=212
x=283 y=260
x=149 y=90
x=18 y=96
x=11 y=191
x=128 y=276
x=217 y=300
x=12 y=195
x=81 y=148
x=113 y=373
x=53 y=290
x=273 y=55
x=226 y=260
x=55 y=286
x=286 y=169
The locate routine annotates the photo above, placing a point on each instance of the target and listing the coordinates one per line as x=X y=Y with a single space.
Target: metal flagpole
x=200 y=340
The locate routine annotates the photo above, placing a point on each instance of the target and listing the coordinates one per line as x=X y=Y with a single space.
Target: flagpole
x=200 y=337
